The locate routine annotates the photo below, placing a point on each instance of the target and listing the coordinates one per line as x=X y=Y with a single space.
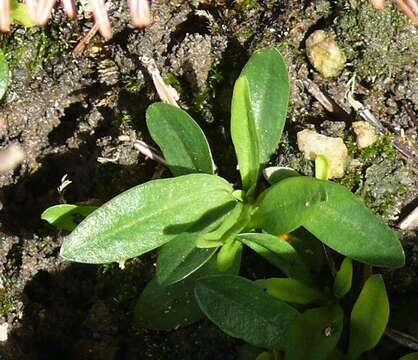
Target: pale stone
x=333 y=149
x=3 y=331
x=366 y=134
x=324 y=54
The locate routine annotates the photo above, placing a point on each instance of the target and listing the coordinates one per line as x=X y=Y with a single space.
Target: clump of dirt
x=78 y=116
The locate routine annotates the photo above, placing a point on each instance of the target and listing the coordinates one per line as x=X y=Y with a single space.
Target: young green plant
x=201 y=222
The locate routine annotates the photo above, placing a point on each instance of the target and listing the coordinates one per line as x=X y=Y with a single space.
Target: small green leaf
x=343 y=279
x=265 y=355
x=269 y=91
x=293 y=291
x=169 y=307
x=228 y=253
x=181 y=140
x=4 y=74
x=279 y=253
x=315 y=334
x=346 y=225
x=286 y=205
x=20 y=14
x=274 y=174
x=180 y=258
x=243 y=310
x=322 y=169
x=244 y=134
x=369 y=317
x=62 y=216
x=216 y=237
x=411 y=356
x=331 y=213
x=147 y=216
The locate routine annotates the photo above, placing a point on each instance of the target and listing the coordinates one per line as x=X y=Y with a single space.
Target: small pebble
x=366 y=134
x=313 y=144
x=3 y=331
x=324 y=54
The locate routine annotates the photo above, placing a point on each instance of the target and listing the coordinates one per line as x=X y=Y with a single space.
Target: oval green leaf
x=278 y=253
x=287 y=204
x=62 y=216
x=274 y=174
x=4 y=74
x=180 y=258
x=269 y=91
x=182 y=141
x=162 y=307
x=170 y=307
x=315 y=334
x=346 y=225
x=369 y=317
x=291 y=290
x=148 y=216
x=243 y=310
x=244 y=134
x=343 y=279
x=334 y=215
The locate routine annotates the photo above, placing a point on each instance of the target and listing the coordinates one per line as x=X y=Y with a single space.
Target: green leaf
x=331 y=213
x=315 y=334
x=244 y=134
x=170 y=307
x=62 y=216
x=180 y=258
x=180 y=138
x=227 y=254
x=410 y=356
x=269 y=90
x=274 y=174
x=291 y=290
x=322 y=169
x=287 y=204
x=216 y=237
x=243 y=310
x=346 y=225
x=4 y=74
x=162 y=307
x=279 y=253
x=369 y=317
x=343 y=279
x=148 y=216
x=20 y=14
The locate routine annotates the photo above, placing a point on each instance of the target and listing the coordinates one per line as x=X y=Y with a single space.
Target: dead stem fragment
x=409 y=8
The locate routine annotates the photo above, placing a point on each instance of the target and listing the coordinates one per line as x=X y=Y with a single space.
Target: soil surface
x=78 y=115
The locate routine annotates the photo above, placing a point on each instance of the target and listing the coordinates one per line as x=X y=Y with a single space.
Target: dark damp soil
x=73 y=114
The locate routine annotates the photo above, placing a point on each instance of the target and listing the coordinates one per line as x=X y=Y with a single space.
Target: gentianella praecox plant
x=200 y=223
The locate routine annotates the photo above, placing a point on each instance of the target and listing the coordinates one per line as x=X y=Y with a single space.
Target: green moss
x=34 y=48
x=131 y=84
x=6 y=303
x=174 y=81
x=377 y=43
x=382 y=146
x=352 y=179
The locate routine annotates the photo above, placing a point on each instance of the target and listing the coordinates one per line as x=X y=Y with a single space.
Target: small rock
x=313 y=144
x=3 y=331
x=366 y=134
x=324 y=53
